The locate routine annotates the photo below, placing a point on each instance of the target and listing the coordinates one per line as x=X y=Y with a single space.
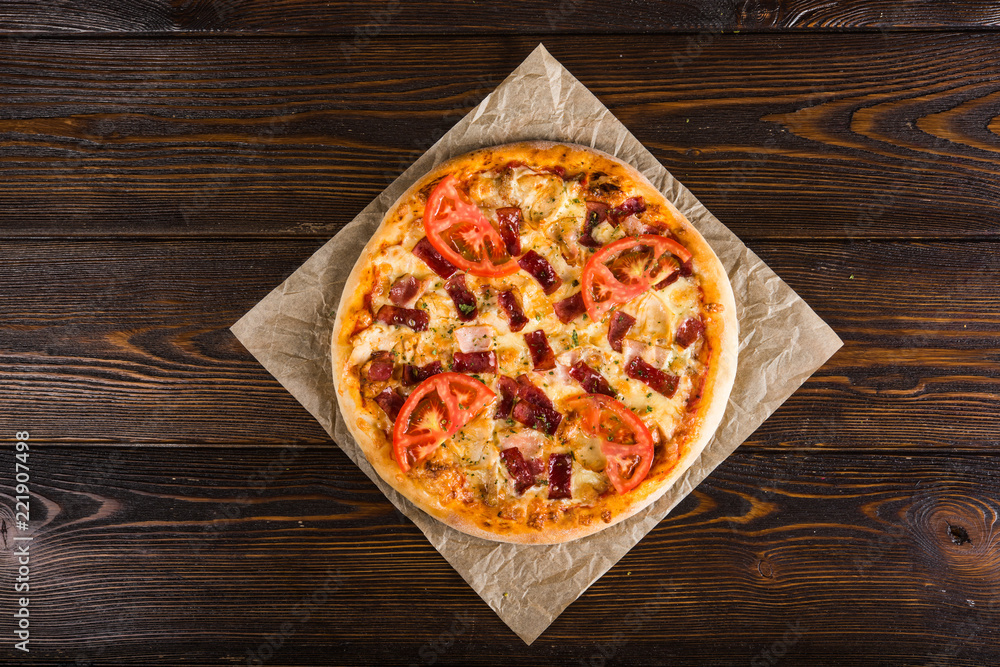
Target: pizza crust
x=721 y=337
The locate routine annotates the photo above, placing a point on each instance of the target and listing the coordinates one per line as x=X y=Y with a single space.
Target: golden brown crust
x=437 y=490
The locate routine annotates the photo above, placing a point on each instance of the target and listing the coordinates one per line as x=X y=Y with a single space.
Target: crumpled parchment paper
x=782 y=341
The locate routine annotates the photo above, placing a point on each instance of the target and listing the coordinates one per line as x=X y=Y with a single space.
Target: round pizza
x=535 y=344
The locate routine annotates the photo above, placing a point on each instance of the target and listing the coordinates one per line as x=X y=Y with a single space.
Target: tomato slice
x=624 y=269
x=625 y=441
x=437 y=408
x=461 y=233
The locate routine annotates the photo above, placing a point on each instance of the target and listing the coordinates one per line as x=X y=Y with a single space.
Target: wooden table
x=164 y=165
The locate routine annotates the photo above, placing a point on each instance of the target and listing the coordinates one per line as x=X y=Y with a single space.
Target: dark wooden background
x=163 y=165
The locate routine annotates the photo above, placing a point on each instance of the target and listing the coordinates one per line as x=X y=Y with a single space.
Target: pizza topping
x=542 y=419
x=464 y=300
x=461 y=233
x=537 y=465
x=508 y=392
x=379 y=368
x=512 y=309
x=654 y=354
x=534 y=409
x=564 y=235
x=432 y=258
x=404 y=290
x=625 y=441
x=417 y=374
x=627 y=465
x=510 y=219
x=409 y=317
x=434 y=412
x=518 y=469
x=540 y=270
x=561 y=373
x=650 y=365
x=633 y=226
x=391 y=401
x=475 y=362
x=597 y=212
x=668 y=281
x=542 y=357
x=591 y=354
x=526 y=391
x=600 y=183
x=619 y=326
x=591 y=381
x=474 y=339
x=624 y=269
x=539 y=195
x=530 y=443
x=570 y=308
x=661 y=382
x=560 y=473
x=689 y=331
x=630 y=206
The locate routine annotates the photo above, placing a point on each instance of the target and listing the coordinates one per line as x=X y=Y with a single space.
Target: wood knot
x=7 y=533
x=765 y=569
x=954 y=533
x=958 y=535
x=757 y=13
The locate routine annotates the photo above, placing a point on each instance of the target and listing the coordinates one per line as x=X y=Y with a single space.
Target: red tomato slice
x=625 y=441
x=437 y=408
x=624 y=269
x=461 y=233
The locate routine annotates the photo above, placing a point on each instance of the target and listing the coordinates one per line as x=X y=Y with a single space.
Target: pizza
x=535 y=344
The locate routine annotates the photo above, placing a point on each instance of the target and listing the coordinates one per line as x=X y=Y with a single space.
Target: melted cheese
x=553 y=210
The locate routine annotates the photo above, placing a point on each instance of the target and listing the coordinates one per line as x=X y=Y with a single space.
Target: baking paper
x=782 y=341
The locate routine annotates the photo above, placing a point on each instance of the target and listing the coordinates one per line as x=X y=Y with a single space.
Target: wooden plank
x=114 y=341
x=362 y=21
x=914 y=339
x=129 y=341
x=193 y=556
x=782 y=136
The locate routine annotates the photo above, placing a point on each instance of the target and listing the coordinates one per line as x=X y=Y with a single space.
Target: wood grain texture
x=859 y=135
x=165 y=163
x=130 y=340
x=365 y=21
x=194 y=556
x=127 y=341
